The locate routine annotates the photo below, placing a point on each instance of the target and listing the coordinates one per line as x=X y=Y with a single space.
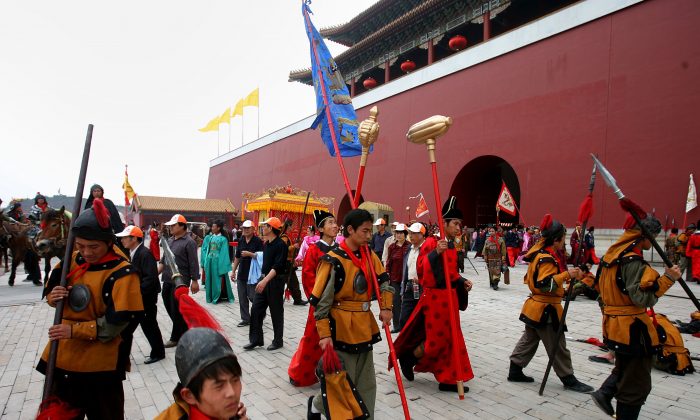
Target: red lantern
x=458 y=42
x=408 y=66
x=369 y=83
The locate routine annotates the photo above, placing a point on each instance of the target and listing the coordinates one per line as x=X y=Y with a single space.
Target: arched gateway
x=477 y=186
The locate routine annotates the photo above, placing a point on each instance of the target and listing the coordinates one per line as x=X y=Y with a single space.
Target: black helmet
x=94 y=223
x=197 y=349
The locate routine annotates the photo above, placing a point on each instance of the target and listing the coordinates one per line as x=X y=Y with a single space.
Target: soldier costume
x=628 y=285
x=425 y=341
x=342 y=298
x=291 y=273
x=542 y=310
x=104 y=298
x=302 y=367
x=495 y=256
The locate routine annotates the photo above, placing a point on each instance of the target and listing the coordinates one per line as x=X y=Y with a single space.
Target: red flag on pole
x=505 y=201
x=422 y=208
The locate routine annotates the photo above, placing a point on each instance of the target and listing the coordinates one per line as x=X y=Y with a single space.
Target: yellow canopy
x=289 y=202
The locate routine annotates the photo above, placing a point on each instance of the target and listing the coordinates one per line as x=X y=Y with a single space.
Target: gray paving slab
x=490 y=326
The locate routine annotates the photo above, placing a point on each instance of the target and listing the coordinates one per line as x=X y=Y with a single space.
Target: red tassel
x=53 y=408
x=586 y=210
x=546 y=222
x=193 y=313
x=101 y=213
x=594 y=341
x=632 y=207
x=331 y=361
x=287 y=295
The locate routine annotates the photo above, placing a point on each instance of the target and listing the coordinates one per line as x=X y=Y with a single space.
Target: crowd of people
x=116 y=277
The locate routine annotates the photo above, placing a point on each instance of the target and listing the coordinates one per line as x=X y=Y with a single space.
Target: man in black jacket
x=96 y=191
x=145 y=264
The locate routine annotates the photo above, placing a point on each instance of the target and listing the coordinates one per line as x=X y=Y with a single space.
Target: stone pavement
x=491 y=329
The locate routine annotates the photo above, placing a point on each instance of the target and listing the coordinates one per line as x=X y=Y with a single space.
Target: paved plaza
x=491 y=329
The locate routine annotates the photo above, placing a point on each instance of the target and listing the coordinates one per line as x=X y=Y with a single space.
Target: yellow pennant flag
x=238 y=110
x=226 y=116
x=128 y=190
x=253 y=99
x=212 y=125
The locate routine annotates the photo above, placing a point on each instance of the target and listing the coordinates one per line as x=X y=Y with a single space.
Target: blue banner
x=331 y=95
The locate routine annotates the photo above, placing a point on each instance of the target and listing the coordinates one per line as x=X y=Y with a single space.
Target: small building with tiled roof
x=147 y=209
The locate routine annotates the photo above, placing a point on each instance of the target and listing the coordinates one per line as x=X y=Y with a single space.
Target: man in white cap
x=410 y=285
x=185 y=251
x=248 y=245
x=378 y=239
x=145 y=264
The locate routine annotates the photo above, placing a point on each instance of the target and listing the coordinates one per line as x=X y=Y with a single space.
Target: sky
x=147 y=74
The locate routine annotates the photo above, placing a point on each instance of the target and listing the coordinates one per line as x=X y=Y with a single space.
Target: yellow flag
x=238 y=110
x=212 y=125
x=253 y=99
x=226 y=116
x=128 y=190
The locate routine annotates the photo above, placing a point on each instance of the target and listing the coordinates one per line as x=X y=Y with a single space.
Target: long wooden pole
x=365 y=249
x=65 y=265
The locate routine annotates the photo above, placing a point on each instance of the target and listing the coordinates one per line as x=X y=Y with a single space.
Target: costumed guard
x=495 y=257
x=575 y=242
x=628 y=286
x=293 y=289
x=216 y=263
x=674 y=357
x=425 y=341
x=342 y=297
x=302 y=367
x=543 y=310
x=692 y=252
x=103 y=296
x=154 y=245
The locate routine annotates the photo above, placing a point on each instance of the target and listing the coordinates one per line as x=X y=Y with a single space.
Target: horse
x=51 y=240
x=4 y=240
x=18 y=244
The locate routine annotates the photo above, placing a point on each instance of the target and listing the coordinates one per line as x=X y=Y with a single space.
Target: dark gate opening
x=477 y=187
x=345 y=207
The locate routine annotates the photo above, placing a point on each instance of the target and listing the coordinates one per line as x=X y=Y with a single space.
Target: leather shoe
x=243 y=324
x=170 y=344
x=274 y=346
x=251 y=346
x=150 y=360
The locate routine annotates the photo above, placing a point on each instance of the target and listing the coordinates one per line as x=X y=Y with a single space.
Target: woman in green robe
x=216 y=263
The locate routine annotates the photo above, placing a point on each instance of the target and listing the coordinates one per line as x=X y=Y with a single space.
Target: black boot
x=570 y=382
x=407 y=361
x=628 y=412
x=604 y=402
x=515 y=374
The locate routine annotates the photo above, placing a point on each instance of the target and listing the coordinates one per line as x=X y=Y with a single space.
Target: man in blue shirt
x=378 y=239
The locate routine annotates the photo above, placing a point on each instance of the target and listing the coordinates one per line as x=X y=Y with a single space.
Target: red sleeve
x=308 y=268
x=425 y=274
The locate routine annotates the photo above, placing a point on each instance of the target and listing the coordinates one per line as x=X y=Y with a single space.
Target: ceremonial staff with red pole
x=426 y=132
x=353 y=200
x=369 y=131
x=633 y=209
x=584 y=215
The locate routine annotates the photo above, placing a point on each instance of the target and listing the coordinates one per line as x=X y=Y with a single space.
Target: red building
x=539 y=86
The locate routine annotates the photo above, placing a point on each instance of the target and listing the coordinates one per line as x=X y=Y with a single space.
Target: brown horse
x=19 y=244
x=51 y=240
x=4 y=241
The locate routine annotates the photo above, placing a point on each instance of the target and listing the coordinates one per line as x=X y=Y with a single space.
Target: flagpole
x=126 y=197
x=258 y=112
x=242 y=131
x=365 y=250
x=229 y=135
x=218 y=131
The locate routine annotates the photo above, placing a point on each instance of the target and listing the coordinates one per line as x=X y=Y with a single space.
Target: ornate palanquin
x=285 y=203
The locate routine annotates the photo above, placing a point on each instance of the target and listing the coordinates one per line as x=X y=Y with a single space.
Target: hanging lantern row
x=408 y=66
x=458 y=42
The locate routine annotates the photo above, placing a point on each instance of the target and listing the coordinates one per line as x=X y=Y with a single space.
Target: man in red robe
x=302 y=367
x=692 y=252
x=425 y=342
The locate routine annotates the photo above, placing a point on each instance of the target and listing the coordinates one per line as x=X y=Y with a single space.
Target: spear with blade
x=584 y=215
x=632 y=208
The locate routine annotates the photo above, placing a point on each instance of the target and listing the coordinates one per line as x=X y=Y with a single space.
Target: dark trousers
x=272 y=297
x=103 y=400
x=149 y=325
x=244 y=299
x=293 y=283
x=171 y=305
x=408 y=304
x=397 y=305
x=630 y=380
x=31 y=264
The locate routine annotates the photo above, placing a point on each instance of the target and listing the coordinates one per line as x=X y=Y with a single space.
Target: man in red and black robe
x=425 y=342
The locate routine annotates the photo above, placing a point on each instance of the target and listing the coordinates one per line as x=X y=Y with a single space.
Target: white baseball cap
x=395 y=223
x=400 y=227
x=247 y=223
x=379 y=222
x=131 y=231
x=178 y=218
x=417 y=228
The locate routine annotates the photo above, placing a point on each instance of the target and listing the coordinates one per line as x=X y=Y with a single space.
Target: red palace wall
x=625 y=87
